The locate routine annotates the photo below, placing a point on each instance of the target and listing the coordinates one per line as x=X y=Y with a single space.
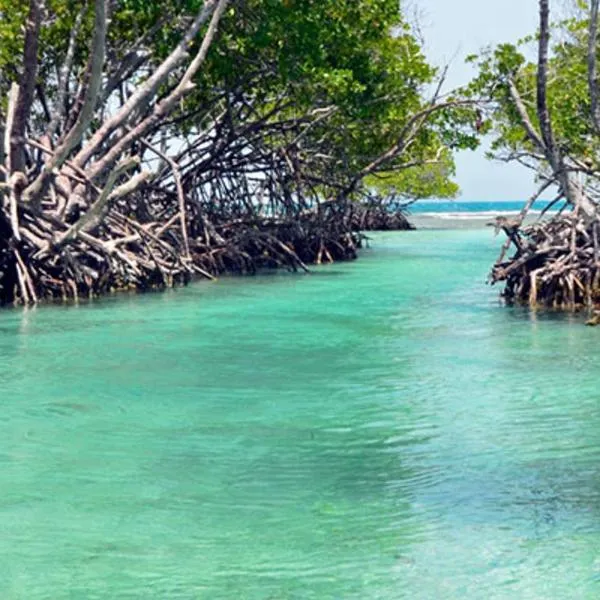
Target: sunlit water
x=377 y=430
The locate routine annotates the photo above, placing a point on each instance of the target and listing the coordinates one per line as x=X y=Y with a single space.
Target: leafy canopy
x=357 y=55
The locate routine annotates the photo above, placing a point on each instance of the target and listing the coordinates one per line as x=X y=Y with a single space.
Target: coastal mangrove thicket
x=545 y=115
x=145 y=142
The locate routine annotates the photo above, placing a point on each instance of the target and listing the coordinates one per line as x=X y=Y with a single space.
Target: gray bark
x=94 y=84
x=164 y=107
x=149 y=88
x=572 y=190
x=26 y=86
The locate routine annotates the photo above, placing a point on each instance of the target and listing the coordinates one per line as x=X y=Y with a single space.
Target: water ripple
x=386 y=432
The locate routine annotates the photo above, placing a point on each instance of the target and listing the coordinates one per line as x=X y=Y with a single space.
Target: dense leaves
x=358 y=56
x=568 y=96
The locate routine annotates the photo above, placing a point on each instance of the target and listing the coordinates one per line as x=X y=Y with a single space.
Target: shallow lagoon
x=376 y=430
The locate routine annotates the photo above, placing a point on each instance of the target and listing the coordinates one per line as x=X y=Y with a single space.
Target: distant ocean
x=457 y=210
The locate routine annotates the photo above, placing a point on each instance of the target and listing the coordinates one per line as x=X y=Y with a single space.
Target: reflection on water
x=381 y=430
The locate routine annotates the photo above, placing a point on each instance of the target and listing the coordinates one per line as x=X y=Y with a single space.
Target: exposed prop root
x=556 y=263
x=145 y=248
x=374 y=214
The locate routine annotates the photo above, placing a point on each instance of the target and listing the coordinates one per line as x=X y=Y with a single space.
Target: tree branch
x=593 y=64
x=524 y=116
x=165 y=106
x=96 y=208
x=94 y=77
x=63 y=78
x=542 y=79
x=150 y=87
x=26 y=86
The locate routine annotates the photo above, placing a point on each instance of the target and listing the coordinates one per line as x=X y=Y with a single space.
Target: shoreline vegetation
x=545 y=115
x=242 y=247
x=148 y=144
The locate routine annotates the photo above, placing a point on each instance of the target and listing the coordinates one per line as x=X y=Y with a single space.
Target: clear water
x=377 y=430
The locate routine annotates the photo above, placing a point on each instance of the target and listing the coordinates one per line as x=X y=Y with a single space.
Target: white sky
x=454 y=29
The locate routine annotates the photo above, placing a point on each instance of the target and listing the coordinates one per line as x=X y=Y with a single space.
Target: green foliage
x=12 y=18
x=568 y=94
x=423 y=181
x=356 y=55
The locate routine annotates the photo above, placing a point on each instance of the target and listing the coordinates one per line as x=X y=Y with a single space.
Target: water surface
x=377 y=430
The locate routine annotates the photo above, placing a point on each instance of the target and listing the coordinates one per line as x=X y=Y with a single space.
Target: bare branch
x=13 y=96
x=180 y=193
x=524 y=116
x=165 y=106
x=26 y=85
x=542 y=80
x=97 y=207
x=407 y=135
x=149 y=88
x=63 y=78
x=94 y=78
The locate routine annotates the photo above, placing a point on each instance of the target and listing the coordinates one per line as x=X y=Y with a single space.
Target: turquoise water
x=461 y=206
x=377 y=430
